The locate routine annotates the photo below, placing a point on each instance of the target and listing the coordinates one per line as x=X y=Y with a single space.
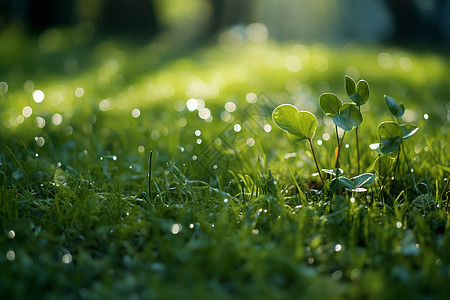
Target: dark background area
x=382 y=21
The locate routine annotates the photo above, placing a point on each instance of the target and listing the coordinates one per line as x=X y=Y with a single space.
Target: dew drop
x=11 y=234
x=67 y=258
x=10 y=255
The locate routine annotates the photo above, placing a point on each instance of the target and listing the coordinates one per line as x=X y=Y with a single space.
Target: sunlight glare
x=38 y=96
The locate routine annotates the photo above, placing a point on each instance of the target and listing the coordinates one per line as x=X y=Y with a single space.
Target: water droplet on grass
x=176 y=228
x=11 y=234
x=79 y=92
x=425 y=116
x=398 y=224
x=27 y=111
x=67 y=258
x=230 y=107
x=136 y=113
x=251 y=97
x=338 y=247
x=10 y=255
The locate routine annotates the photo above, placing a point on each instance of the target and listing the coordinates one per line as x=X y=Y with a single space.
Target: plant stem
x=150 y=176
x=315 y=160
x=396 y=161
x=357 y=147
x=339 y=148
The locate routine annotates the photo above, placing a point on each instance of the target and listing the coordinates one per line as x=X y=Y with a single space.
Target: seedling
x=301 y=124
x=347 y=115
x=391 y=136
x=355 y=184
x=358 y=93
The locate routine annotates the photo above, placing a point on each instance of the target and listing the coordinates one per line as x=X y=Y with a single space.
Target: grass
x=224 y=219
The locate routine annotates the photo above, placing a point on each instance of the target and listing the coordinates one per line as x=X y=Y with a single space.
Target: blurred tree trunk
x=413 y=23
x=135 y=17
x=229 y=12
x=131 y=17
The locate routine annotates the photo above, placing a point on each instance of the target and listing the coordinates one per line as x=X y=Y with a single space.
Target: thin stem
x=315 y=160
x=150 y=176
x=357 y=147
x=397 y=161
x=339 y=147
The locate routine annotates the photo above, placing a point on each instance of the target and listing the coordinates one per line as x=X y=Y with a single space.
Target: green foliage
x=355 y=184
x=330 y=104
x=395 y=109
x=358 y=93
x=74 y=222
x=301 y=124
x=349 y=117
x=390 y=135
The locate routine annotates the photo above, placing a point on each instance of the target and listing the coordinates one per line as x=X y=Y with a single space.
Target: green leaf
x=356 y=184
x=335 y=172
x=301 y=124
x=363 y=180
x=358 y=93
x=330 y=104
x=362 y=88
x=389 y=146
x=409 y=130
x=383 y=165
x=390 y=135
x=348 y=117
x=389 y=129
x=350 y=86
x=395 y=109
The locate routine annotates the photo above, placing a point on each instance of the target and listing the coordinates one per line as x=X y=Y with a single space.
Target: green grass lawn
x=224 y=218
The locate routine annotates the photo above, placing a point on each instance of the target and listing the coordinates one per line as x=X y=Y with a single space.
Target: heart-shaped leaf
x=409 y=130
x=358 y=93
x=356 y=184
x=383 y=165
x=302 y=124
x=390 y=135
x=395 y=109
x=348 y=117
x=330 y=104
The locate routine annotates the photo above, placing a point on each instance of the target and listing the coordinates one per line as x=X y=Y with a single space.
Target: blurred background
x=399 y=21
x=122 y=76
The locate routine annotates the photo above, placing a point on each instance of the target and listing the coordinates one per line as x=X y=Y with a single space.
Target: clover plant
x=391 y=136
x=301 y=124
x=359 y=93
x=348 y=115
